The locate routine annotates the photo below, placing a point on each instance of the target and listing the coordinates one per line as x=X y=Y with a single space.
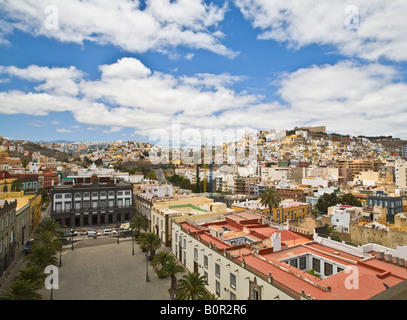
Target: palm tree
x=171 y=268
x=33 y=274
x=21 y=290
x=137 y=224
x=150 y=242
x=162 y=258
x=270 y=198
x=41 y=256
x=51 y=225
x=47 y=239
x=24 y=163
x=191 y=287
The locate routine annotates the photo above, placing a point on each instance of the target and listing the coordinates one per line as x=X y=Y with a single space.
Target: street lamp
x=118 y=231
x=147 y=279
x=132 y=235
x=60 y=254
x=72 y=232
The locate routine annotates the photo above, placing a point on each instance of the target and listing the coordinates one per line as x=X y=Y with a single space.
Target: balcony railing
x=92 y=209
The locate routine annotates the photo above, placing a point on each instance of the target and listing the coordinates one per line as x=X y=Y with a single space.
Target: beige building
x=164 y=212
x=372 y=178
x=400 y=169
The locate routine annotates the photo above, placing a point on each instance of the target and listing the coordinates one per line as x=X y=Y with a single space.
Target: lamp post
x=132 y=235
x=60 y=254
x=118 y=231
x=147 y=279
x=72 y=231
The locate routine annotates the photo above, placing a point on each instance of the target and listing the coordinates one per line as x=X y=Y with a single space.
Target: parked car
x=92 y=233
x=109 y=232
x=28 y=246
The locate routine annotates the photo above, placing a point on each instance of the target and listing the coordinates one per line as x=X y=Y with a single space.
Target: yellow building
x=288 y=209
x=163 y=212
x=34 y=201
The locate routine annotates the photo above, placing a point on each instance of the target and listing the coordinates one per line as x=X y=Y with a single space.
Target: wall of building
x=246 y=280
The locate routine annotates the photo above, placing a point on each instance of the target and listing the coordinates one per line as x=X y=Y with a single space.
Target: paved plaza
x=101 y=269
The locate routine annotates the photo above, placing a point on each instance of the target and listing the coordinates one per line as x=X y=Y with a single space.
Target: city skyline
x=102 y=71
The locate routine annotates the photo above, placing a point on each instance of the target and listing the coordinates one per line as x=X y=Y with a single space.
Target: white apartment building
x=342 y=215
x=400 y=170
x=274 y=174
x=316 y=182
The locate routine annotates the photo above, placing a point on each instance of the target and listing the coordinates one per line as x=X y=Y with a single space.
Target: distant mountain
x=55 y=141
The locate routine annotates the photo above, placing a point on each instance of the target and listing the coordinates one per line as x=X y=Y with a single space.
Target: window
x=77 y=205
x=218 y=288
x=328 y=269
x=316 y=265
x=293 y=263
x=206 y=276
x=206 y=262
x=111 y=193
x=58 y=196
x=68 y=196
x=303 y=263
x=196 y=253
x=103 y=194
x=127 y=193
x=217 y=270
x=232 y=280
x=232 y=296
x=86 y=194
x=78 y=196
x=255 y=294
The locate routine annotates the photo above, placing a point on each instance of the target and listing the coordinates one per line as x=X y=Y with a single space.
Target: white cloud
x=113 y=130
x=161 y=25
x=381 y=32
x=347 y=97
x=37 y=123
x=60 y=81
x=64 y=130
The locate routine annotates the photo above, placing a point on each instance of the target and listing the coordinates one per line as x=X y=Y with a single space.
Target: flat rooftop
x=343 y=274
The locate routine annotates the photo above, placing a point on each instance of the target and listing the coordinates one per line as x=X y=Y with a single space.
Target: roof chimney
x=276 y=241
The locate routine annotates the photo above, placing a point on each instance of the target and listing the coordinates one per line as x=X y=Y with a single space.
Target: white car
x=92 y=233
x=109 y=232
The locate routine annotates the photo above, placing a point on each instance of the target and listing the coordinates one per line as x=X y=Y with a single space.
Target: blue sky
x=110 y=70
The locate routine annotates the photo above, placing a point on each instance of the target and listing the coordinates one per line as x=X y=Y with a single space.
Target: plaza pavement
x=101 y=269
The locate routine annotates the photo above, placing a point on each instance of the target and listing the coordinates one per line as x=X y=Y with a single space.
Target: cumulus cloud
x=347 y=97
x=378 y=31
x=160 y=26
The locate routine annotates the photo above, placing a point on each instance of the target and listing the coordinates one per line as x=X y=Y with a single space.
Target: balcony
x=90 y=209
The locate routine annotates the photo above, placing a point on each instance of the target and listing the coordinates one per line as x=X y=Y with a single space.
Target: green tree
x=24 y=163
x=33 y=274
x=270 y=198
x=47 y=239
x=16 y=185
x=41 y=256
x=137 y=224
x=198 y=181
x=52 y=226
x=161 y=258
x=191 y=287
x=172 y=268
x=21 y=290
x=350 y=200
x=150 y=242
x=326 y=201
